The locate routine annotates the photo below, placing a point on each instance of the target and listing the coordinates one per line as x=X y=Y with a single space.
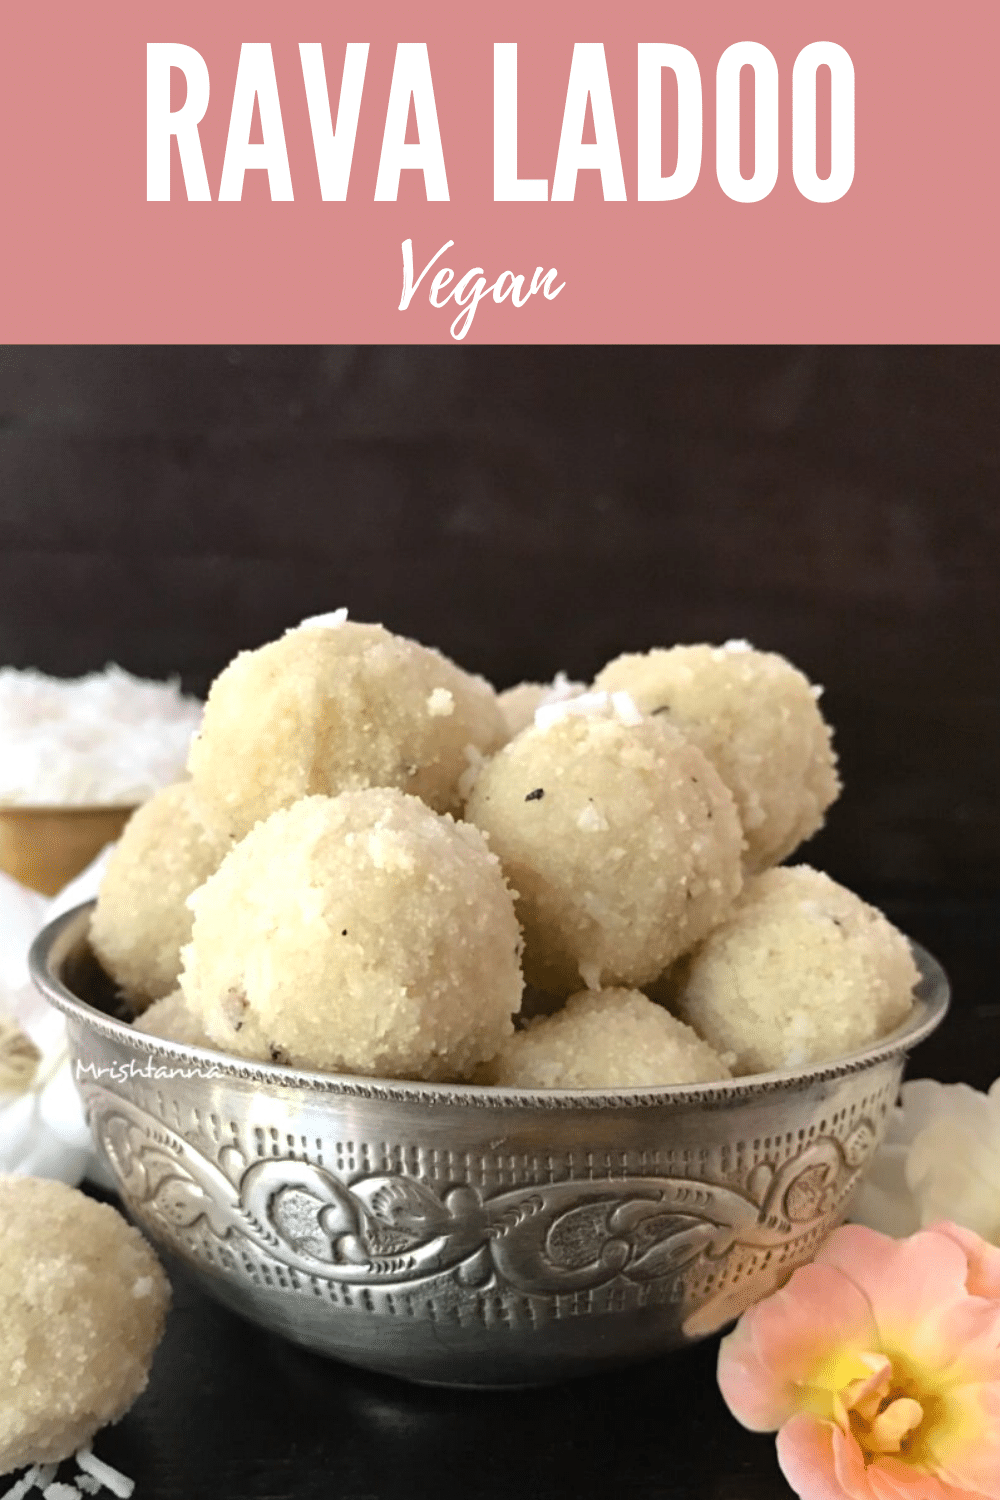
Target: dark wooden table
x=235 y=1414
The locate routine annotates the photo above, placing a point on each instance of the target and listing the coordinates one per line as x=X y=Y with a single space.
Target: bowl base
x=454 y=1357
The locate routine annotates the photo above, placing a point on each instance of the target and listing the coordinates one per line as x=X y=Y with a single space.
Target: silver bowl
x=472 y=1236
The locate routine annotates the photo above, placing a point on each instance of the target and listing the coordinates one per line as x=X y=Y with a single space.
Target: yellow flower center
x=881 y=1418
x=890 y=1404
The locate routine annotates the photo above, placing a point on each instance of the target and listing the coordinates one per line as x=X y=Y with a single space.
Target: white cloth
x=43 y=1132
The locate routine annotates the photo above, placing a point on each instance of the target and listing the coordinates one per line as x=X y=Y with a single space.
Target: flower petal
x=849 y=1464
x=972 y=1462
x=884 y=1200
x=776 y=1346
x=916 y=1289
x=953 y=1172
x=983 y=1279
x=925 y=1102
x=940 y=1159
x=895 y=1479
x=816 y=1460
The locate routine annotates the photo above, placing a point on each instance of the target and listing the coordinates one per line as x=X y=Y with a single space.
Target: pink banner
x=629 y=173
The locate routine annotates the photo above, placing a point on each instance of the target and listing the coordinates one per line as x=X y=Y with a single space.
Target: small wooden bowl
x=44 y=847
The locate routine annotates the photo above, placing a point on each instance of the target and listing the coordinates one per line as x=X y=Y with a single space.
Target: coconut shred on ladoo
x=757 y=719
x=338 y=706
x=619 y=837
x=362 y=933
x=520 y=703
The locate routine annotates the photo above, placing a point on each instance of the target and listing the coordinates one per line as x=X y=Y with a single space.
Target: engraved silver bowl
x=473 y=1236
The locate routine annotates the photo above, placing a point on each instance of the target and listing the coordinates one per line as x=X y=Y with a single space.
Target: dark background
x=527 y=509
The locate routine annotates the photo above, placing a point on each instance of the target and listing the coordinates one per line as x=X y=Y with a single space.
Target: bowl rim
x=66 y=932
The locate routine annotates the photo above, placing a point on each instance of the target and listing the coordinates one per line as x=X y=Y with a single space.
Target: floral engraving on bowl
x=547 y=1240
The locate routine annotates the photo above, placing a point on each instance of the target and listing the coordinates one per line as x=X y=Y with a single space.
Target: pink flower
x=879 y=1366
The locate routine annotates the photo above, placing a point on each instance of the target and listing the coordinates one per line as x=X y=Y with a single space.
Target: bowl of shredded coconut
x=78 y=756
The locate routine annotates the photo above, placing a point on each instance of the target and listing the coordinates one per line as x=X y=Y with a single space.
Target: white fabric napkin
x=43 y=1132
